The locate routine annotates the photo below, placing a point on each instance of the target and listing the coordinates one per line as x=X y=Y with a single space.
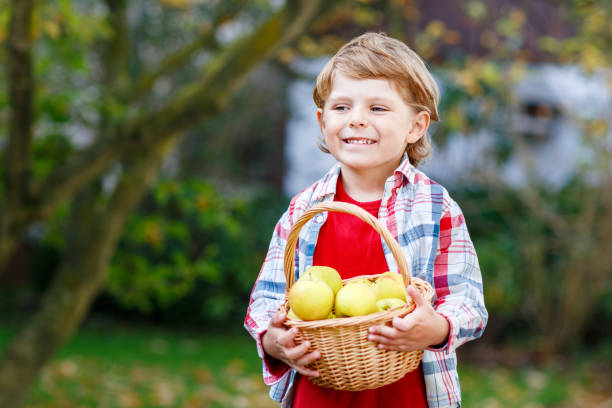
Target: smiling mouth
x=359 y=141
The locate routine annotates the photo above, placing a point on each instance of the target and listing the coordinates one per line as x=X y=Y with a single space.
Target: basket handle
x=347 y=208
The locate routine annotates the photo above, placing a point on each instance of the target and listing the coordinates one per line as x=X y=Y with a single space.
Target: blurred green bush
x=188 y=256
x=192 y=253
x=547 y=275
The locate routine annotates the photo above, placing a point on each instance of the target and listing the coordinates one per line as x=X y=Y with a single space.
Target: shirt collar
x=405 y=169
x=327 y=187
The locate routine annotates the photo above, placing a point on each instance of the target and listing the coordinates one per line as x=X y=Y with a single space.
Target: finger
x=398 y=347
x=403 y=324
x=306 y=371
x=297 y=352
x=308 y=359
x=393 y=342
x=382 y=340
x=287 y=339
x=419 y=301
x=384 y=333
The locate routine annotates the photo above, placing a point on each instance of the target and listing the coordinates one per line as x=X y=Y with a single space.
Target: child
x=375 y=99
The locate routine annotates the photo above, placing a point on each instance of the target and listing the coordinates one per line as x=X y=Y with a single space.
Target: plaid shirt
x=431 y=230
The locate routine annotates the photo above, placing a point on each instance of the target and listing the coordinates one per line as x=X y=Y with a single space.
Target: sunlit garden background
x=149 y=147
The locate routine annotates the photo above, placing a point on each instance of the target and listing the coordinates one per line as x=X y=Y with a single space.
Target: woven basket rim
x=396 y=250
x=348 y=208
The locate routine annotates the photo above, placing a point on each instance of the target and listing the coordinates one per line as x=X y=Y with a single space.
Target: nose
x=358 y=119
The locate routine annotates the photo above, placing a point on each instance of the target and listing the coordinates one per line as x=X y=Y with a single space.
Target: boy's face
x=366 y=125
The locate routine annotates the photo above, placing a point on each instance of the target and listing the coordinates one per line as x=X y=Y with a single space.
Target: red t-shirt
x=354 y=248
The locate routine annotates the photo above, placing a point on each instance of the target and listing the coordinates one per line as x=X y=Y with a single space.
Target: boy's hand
x=278 y=342
x=418 y=330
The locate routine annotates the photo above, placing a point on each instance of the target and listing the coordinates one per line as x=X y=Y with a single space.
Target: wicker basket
x=349 y=361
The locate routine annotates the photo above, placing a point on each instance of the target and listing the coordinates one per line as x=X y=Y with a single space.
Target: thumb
x=278 y=318
x=419 y=301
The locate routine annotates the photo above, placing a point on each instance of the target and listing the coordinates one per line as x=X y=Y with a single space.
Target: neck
x=363 y=186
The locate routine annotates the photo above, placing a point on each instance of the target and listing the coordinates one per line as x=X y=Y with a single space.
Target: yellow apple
x=389 y=303
x=356 y=299
x=386 y=287
x=311 y=299
x=396 y=276
x=360 y=280
x=291 y=315
x=327 y=274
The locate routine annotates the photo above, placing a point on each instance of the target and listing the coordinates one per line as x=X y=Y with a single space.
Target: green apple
x=356 y=299
x=386 y=287
x=389 y=303
x=327 y=274
x=311 y=299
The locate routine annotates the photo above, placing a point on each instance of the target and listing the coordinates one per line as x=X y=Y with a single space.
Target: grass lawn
x=120 y=366
x=108 y=366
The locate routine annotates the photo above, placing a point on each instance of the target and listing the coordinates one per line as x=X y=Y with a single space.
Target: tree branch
x=225 y=73
x=193 y=104
x=225 y=11
x=117 y=50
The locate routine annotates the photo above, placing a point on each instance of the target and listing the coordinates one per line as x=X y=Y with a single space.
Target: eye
x=340 y=108
x=379 y=109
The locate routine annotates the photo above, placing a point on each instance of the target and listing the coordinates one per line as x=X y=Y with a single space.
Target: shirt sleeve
x=458 y=281
x=267 y=295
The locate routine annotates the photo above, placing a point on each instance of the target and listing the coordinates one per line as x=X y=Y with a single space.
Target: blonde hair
x=374 y=56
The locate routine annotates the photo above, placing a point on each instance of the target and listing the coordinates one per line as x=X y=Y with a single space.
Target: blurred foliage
x=237 y=151
x=187 y=256
x=533 y=275
x=193 y=249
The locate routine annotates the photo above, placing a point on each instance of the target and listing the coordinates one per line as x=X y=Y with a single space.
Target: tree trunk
x=78 y=281
x=17 y=156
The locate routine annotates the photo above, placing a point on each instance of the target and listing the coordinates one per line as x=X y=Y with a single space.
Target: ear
x=320 y=118
x=419 y=127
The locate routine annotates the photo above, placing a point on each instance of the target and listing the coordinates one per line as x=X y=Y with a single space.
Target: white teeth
x=359 y=141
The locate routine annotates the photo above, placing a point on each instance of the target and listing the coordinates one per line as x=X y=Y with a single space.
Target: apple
x=386 y=287
x=311 y=299
x=356 y=299
x=398 y=277
x=291 y=315
x=360 y=280
x=327 y=274
x=389 y=303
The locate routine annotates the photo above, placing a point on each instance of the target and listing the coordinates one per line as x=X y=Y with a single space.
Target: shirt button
x=319 y=219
